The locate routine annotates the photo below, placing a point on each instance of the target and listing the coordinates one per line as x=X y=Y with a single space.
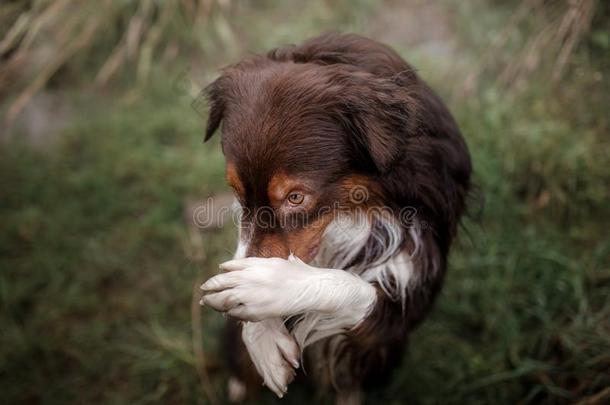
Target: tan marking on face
x=360 y=192
x=234 y=181
x=280 y=185
x=271 y=245
x=304 y=242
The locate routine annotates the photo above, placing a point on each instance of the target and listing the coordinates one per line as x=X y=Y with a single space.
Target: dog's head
x=299 y=138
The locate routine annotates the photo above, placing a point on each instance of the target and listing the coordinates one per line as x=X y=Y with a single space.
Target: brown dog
x=351 y=177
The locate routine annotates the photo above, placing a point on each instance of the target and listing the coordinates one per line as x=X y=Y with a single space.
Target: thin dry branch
x=43 y=77
x=581 y=22
x=128 y=47
x=59 y=30
x=558 y=27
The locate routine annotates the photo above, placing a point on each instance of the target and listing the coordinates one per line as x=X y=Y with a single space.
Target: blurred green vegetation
x=99 y=267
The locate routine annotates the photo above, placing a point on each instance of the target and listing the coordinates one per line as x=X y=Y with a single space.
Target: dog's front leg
x=254 y=289
x=263 y=292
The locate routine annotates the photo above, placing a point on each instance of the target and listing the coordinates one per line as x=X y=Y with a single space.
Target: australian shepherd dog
x=350 y=177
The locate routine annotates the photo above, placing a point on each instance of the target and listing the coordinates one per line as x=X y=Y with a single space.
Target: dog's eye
x=296 y=198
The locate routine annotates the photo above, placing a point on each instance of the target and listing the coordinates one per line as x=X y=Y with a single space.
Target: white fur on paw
x=254 y=289
x=273 y=351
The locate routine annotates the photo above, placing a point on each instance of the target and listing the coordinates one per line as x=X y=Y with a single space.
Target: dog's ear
x=215 y=95
x=378 y=116
x=375 y=145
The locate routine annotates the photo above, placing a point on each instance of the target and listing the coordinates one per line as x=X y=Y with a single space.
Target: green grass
x=97 y=264
x=96 y=280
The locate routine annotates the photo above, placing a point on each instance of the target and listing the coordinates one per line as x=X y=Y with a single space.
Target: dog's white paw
x=273 y=351
x=254 y=289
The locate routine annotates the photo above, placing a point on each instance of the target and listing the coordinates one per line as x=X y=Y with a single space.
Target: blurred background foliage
x=102 y=165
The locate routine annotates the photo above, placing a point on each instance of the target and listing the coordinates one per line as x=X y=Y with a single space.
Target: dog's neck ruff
x=373 y=248
x=370 y=248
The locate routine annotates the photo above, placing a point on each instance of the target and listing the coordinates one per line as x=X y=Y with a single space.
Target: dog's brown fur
x=335 y=111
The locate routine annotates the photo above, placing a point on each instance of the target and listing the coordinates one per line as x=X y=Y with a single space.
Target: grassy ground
x=98 y=263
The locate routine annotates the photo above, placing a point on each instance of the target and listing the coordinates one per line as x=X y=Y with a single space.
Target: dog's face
x=298 y=140
x=282 y=212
